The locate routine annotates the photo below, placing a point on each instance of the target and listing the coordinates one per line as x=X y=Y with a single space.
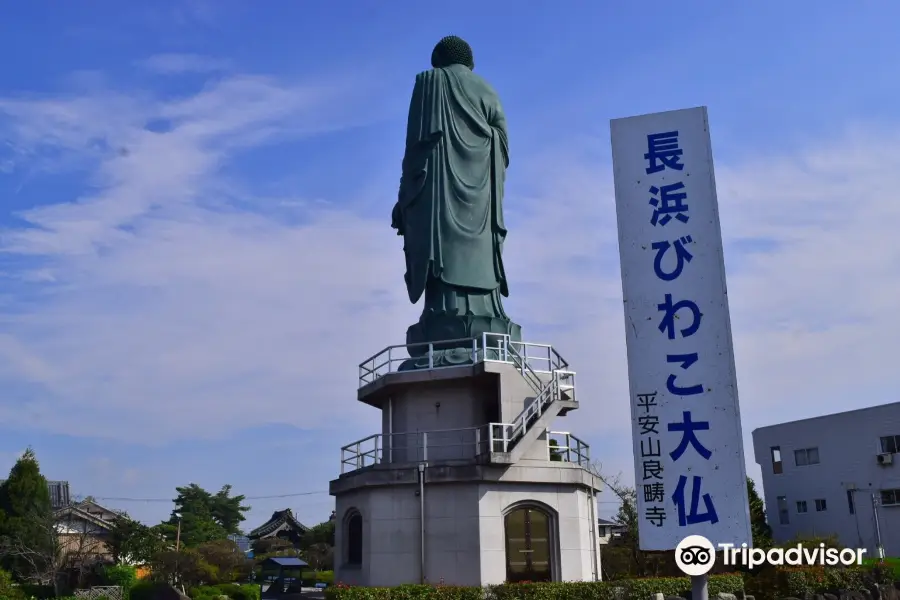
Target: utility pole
x=878 y=547
x=177 y=548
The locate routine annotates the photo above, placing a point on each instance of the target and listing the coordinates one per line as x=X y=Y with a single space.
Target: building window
x=890 y=497
x=850 y=504
x=529 y=551
x=776 y=460
x=354 y=537
x=783 y=517
x=806 y=456
x=820 y=505
x=890 y=443
x=801 y=506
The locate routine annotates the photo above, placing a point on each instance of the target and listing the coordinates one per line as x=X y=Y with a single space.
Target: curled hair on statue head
x=452 y=50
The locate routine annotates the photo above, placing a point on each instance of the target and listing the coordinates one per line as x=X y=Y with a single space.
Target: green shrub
x=234 y=591
x=145 y=589
x=797 y=581
x=633 y=589
x=8 y=589
x=891 y=565
x=124 y=576
x=30 y=590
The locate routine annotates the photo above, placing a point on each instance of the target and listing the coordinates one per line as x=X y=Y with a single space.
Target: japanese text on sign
x=687 y=436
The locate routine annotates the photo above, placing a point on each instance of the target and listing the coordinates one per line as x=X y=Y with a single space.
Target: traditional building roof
x=59 y=493
x=280 y=519
x=91 y=507
x=611 y=524
x=66 y=516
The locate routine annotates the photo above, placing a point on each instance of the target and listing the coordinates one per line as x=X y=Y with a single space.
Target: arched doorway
x=529 y=551
x=354 y=538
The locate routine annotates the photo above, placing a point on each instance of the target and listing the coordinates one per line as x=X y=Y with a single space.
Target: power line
x=121 y=499
x=293 y=495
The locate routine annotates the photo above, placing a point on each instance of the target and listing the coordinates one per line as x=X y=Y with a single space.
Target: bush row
x=234 y=591
x=630 y=589
x=150 y=590
x=799 y=581
x=326 y=577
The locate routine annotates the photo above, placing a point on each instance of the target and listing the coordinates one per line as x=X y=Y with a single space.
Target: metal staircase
x=554 y=396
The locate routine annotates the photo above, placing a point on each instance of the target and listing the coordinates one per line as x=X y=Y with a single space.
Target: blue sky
x=195 y=250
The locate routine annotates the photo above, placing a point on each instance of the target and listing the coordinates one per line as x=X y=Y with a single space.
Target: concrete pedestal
x=426 y=500
x=464 y=533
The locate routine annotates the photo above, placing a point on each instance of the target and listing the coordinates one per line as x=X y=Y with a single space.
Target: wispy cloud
x=162 y=302
x=166 y=299
x=175 y=64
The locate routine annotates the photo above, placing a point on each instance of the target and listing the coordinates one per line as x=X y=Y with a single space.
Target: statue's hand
x=397 y=219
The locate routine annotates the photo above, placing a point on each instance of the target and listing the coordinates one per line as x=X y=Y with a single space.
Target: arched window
x=529 y=547
x=353 y=537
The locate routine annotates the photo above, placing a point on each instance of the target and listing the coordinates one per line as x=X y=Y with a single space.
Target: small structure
x=608 y=531
x=283 y=574
x=282 y=525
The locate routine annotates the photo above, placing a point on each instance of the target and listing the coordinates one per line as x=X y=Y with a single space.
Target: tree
x=762 y=532
x=323 y=533
x=210 y=563
x=319 y=556
x=27 y=530
x=273 y=546
x=635 y=562
x=227 y=510
x=134 y=543
x=25 y=491
x=317 y=546
x=226 y=561
x=204 y=517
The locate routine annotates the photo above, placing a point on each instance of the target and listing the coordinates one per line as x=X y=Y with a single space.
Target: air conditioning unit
x=885 y=459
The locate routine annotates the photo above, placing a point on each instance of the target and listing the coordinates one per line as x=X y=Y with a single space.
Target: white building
x=465 y=483
x=836 y=474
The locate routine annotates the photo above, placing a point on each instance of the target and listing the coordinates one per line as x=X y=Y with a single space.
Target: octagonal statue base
x=465 y=535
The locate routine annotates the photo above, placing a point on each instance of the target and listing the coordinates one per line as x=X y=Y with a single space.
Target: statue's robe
x=450 y=204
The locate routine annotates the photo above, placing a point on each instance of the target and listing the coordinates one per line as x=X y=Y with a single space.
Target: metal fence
x=109 y=592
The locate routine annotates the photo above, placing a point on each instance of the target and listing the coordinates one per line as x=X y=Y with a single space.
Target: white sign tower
x=690 y=475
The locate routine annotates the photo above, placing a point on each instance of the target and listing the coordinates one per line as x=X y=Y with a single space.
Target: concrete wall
x=464 y=537
x=571 y=528
x=848 y=444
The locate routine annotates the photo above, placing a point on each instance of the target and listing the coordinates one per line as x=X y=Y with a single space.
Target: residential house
x=608 y=531
x=84 y=530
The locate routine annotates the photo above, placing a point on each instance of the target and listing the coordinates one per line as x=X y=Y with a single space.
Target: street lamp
x=178 y=532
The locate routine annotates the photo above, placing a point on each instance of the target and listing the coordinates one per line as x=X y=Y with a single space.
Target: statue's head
x=452 y=50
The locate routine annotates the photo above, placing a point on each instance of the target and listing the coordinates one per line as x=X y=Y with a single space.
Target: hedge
x=627 y=589
x=234 y=591
x=797 y=581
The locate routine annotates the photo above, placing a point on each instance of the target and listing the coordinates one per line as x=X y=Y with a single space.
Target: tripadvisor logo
x=695 y=555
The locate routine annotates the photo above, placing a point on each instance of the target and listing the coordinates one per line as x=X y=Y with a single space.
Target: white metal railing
x=421 y=446
x=490 y=347
x=560 y=382
x=568 y=447
x=538 y=358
